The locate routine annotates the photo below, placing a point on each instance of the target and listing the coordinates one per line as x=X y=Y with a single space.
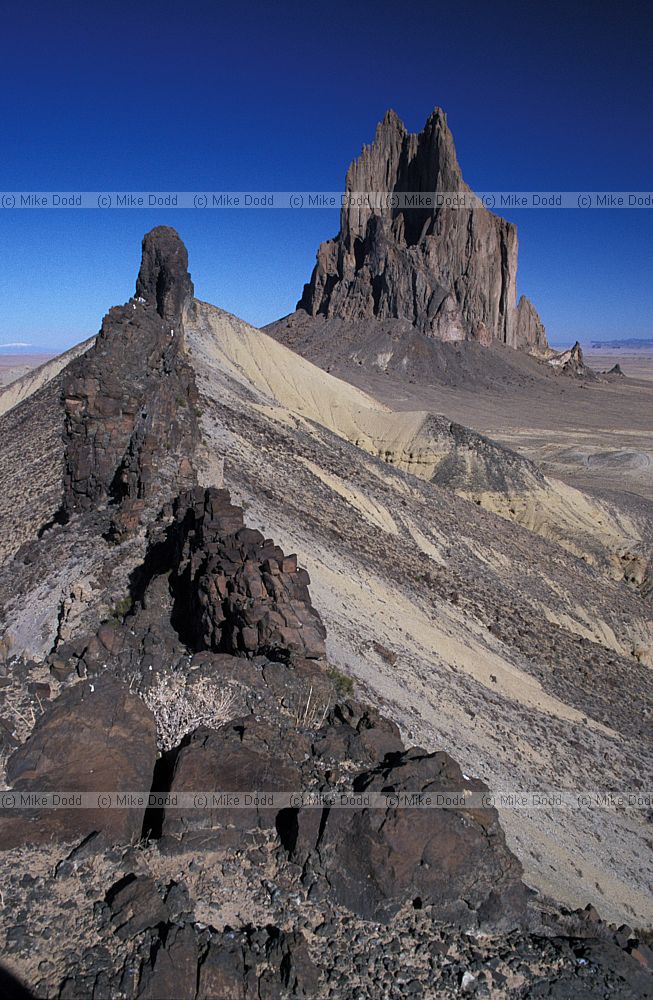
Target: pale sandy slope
x=509 y=650
x=34 y=379
x=418 y=442
x=594 y=434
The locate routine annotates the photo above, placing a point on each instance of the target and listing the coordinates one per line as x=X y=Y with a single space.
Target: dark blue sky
x=208 y=96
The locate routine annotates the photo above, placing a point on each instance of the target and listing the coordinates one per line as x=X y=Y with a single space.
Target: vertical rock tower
x=130 y=424
x=449 y=271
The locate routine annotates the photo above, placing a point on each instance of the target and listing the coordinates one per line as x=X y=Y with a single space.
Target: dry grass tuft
x=310 y=714
x=179 y=708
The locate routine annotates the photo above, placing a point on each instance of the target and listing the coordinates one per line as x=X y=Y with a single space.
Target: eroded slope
x=506 y=647
x=437 y=449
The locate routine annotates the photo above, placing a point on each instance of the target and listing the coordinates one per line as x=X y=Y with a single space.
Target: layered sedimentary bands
x=447 y=272
x=154 y=637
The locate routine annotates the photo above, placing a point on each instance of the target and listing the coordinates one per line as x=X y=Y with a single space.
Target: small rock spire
x=163 y=279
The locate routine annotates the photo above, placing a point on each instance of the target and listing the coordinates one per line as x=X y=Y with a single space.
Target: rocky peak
x=449 y=270
x=570 y=361
x=130 y=422
x=163 y=278
x=238 y=592
x=398 y=162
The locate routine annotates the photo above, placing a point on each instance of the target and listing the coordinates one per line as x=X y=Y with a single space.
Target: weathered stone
x=244 y=756
x=232 y=594
x=570 y=362
x=456 y=859
x=357 y=733
x=95 y=738
x=163 y=279
x=135 y=905
x=173 y=972
x=130 y=400
x=236 y=965
x=449 y=271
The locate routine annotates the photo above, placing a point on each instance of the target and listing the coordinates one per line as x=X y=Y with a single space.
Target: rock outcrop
x=245 y=756
x=96 y=738
x=571 y=362
x=238 y=591
x=450 y=271
x=370 y=860
x=256 y=962
x=208 y=584
x=274 y=901
x=129 y=401
x=374 y=860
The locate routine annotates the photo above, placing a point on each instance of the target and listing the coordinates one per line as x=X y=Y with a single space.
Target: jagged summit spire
x=437 y=116
x=163 y=278
x=391 y=120
x=447 y=267
x=128 y=439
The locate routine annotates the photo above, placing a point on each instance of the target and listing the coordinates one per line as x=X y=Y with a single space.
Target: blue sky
x=211 y=96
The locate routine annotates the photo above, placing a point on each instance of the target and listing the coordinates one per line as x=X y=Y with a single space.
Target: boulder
x=172 y=970
x=375 y=860
x=135 y=906
x=234 y=965
x=244 y=756
x=97 y=738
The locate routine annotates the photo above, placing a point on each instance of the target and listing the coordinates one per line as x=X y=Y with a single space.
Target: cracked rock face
x=449 y=271
x=95 y=738
x=455 y=859
x=255 y=962
x=242 y=594
x=130 y=426
x=163 y=280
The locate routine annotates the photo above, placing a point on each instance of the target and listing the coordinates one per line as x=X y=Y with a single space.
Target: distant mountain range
x=16 y=347
x=636 y=342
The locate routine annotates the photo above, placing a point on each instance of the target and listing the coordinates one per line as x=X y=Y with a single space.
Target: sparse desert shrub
x=120 y=609
x=310 y=713
x=6 y=642
x=344 y=684
x=20 y=711
x=645 y=936
x=179 y=707
x=384 y=653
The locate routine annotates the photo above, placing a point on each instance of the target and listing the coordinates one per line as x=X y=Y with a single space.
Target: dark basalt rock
x=210 y=584
x=235 y=965
x=163 y=279
x=244 y=756
x=238 y=592
x=94 y=738
x=455 y=859
x=449 y=271
x=135 y=906
x=357 y=733
x=12 y=988
x=130 y=425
